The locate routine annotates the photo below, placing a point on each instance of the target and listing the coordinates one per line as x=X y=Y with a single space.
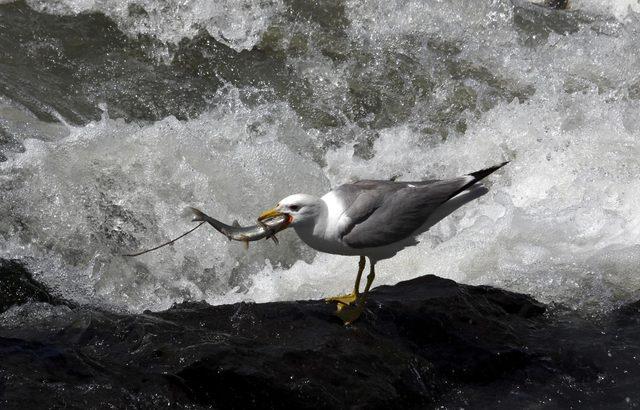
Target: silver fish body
x=266 y=229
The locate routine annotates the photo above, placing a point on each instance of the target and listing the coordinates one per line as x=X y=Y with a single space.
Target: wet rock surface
x=18 y=286
x=422 y=343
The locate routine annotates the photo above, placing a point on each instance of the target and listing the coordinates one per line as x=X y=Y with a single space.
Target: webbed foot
x=348 y=307
x=351 y=306
x=349 y=313
x=343 y=299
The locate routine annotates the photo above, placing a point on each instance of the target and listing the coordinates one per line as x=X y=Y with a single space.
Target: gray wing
x=383 y=212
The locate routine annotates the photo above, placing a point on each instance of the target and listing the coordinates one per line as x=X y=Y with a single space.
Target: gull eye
x=294 y=208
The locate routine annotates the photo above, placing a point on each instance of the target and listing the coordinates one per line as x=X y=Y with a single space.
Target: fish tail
x=198 y=215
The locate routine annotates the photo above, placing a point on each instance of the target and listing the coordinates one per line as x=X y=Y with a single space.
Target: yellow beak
x=271 y=213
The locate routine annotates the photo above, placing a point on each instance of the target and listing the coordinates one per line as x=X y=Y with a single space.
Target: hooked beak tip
x=271 y=213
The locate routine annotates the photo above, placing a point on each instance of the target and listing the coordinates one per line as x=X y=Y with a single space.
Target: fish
x=264 y=229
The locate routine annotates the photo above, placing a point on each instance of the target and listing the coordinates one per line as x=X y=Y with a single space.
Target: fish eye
x=294 y=207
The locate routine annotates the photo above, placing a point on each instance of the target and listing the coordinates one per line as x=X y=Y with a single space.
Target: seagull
x=374 y=219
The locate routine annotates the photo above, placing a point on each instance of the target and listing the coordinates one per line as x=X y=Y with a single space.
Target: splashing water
x=237 y=23
x=352 y=90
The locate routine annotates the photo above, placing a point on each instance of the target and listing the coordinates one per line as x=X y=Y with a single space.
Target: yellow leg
x=370 y=277
x=361 y=264
x=349 y=313
x=353 y=296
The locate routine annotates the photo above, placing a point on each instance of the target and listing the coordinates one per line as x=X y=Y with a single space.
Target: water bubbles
x=367 y=89
x=235 y=23
x=111 y=187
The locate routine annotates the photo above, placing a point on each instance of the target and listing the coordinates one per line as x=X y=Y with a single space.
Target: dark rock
x=423 y=343
x=557 y=4
x=17 y=286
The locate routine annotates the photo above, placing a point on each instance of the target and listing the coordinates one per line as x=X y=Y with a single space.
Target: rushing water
x=116 y=115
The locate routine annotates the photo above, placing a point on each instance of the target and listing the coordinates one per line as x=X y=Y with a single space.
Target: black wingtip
x=483 y=173
x=479 y=175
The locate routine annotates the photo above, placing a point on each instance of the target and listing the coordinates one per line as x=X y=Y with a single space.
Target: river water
x=116 y=115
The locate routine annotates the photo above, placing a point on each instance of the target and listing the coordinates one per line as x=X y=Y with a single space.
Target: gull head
x=300 y=208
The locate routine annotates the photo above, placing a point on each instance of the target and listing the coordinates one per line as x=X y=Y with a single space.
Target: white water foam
x=621 y=9
x=237 y=23
x=560 y=222
x=76 y=203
